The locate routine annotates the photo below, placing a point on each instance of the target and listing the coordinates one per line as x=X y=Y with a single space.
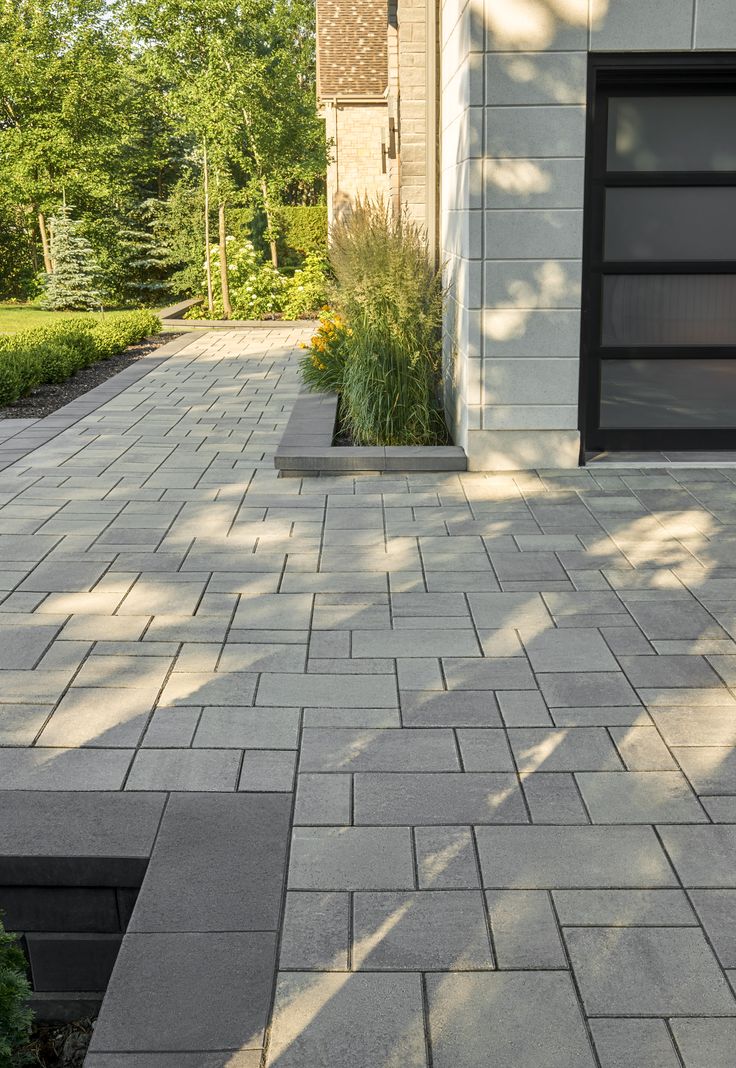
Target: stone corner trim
x=306 y=446
x=196 y=966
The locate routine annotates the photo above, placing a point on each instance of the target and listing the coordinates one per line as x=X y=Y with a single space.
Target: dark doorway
x=658 y=366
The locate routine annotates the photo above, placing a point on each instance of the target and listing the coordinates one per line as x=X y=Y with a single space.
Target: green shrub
x=306 y=290
x=15 y=1016
x=11 y=386
x=73 y=283
x=115 y=332
x=390 y=295
x=304 y=228
x=53 y=353
x=256 y=287
x=323 y=368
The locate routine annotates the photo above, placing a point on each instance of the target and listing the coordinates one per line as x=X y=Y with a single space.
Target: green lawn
x=17 y=317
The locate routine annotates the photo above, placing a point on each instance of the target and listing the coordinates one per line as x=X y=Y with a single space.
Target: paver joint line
x=504 y=705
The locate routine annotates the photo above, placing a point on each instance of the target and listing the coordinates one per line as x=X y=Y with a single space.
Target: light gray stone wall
x=461 y=248
x=513 y=146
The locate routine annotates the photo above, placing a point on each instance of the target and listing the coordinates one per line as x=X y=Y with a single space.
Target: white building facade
x=574 y=162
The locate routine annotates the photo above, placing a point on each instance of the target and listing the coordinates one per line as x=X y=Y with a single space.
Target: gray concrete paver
x=500 y=680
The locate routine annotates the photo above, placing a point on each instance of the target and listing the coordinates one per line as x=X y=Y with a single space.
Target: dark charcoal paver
x=218 y=865
x=188 y=992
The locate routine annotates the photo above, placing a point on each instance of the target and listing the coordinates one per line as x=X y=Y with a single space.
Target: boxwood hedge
x=53 y=353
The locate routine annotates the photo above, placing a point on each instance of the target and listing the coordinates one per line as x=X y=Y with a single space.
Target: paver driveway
x=504 y=700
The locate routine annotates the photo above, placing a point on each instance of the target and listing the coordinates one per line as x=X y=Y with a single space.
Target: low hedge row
x=53 y=353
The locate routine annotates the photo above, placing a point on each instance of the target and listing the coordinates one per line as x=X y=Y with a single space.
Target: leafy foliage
x=73 y=283
x=53 y=353
x=304 y=228
x=15 y=1016
x=323 y=369
x=113 y=333
x=19 y=274
x=257 y=289
x=307 y=289
x=109 y=105
x=390 y=297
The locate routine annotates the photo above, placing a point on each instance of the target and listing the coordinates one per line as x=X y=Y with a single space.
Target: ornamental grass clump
x=389 y=390
x=389 y=296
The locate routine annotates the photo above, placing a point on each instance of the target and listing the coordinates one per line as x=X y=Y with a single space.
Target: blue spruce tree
x=73 y=283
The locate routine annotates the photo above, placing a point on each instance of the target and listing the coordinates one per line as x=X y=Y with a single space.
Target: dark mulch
x=59 y=1045
x=342 y=436
x=50 y=397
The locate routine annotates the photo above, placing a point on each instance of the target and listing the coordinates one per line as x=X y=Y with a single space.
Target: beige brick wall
x=358 y=168
x=379 y=150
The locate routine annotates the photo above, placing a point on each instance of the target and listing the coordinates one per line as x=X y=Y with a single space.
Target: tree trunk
x=208 y=259
x=47 y=264
x=227 y=310
x=26 y=216
x=264 y=188
x=269 y=223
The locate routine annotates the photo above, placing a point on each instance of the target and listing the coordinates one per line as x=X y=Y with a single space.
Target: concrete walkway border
x=29 y=434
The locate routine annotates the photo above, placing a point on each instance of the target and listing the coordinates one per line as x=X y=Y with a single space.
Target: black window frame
x=641 y=74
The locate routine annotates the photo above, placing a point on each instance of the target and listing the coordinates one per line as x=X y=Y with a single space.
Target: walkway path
x=506 y=698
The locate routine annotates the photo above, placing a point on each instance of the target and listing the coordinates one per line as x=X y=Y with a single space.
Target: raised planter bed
x=173 y=316
x=306 y=447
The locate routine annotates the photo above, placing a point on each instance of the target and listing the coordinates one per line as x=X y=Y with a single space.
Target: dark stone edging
x=176 y=311
x=174 y=316
x=195 y=973
x=34 y=433
x=306 y=446
x=239 y=324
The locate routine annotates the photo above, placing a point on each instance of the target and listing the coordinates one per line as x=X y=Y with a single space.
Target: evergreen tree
x=73 y=282
x=15 y=1017
x=144 y=259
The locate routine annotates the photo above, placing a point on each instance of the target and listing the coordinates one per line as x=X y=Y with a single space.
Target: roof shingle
x=352 y=54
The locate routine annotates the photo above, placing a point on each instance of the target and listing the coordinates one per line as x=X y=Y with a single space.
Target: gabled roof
x=352 y=54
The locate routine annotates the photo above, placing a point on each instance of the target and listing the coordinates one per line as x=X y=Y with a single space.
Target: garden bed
x=49 y=397
x=62 y=1045
x=174 y=316
x=308 y=446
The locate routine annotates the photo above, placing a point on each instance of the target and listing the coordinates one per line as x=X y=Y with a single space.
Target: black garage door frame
x=642 y=74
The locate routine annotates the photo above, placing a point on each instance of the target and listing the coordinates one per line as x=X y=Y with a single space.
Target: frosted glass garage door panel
x=673 y=394
x=668 y=309
x=690 y=223
x=672 y=133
